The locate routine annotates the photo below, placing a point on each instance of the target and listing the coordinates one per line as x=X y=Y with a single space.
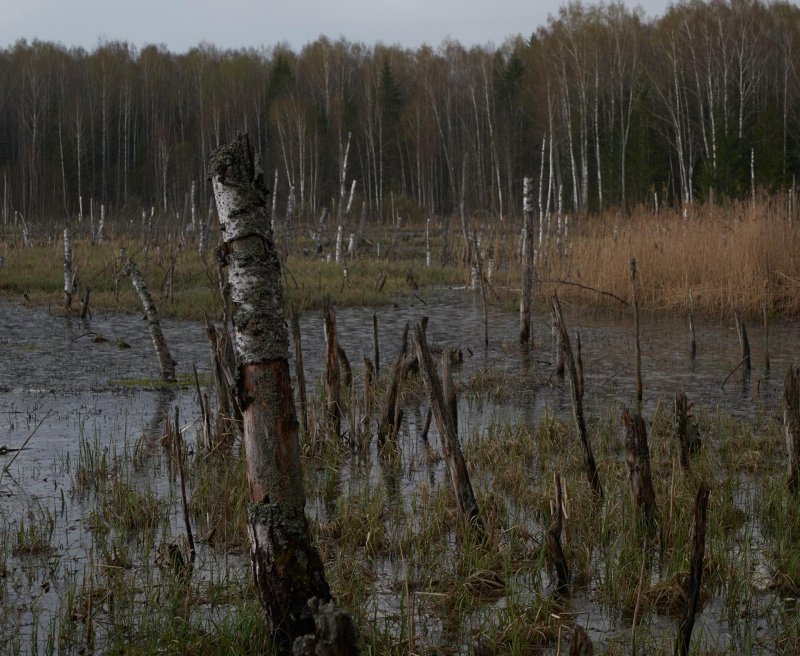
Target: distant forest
x=601 y=107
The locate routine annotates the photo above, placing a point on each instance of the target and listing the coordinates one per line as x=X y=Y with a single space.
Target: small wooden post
x=791 y=426
x=85 y=303
x=448 y=430
x=559 y=369
x=695 y=572
x=744 y=343
x=527 y=262
x=765 y=315
x=577 y=401
x=637 y=457
x=153 y=322
x=637 y=350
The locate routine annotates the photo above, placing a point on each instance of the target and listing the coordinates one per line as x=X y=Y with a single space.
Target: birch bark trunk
x=287 y=569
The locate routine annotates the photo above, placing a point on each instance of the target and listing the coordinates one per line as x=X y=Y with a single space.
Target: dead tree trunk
x=389 y=425
x=333 y=407
x=695 y=572
x=553 y=539
x=685 y=431
x=527 y=262
x=165 y=360
x=448 y=430
x=577 y=401
x=637 y=349
x=69 y=280
x=376 y=353
x=299 y=371
x=580 y=644
x=287 y=569
x=229 y=416
x=791 y=426
x=744 y=343
x=637 y=457
x=692 y=338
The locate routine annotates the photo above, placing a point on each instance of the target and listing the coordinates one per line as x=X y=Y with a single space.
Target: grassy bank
x=738 y=257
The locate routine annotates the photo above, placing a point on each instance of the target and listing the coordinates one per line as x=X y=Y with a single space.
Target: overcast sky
x=181 y=24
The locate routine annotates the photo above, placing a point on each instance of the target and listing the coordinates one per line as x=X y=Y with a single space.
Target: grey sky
x=181 y=24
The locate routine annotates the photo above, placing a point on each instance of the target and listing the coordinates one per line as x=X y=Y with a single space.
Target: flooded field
x=91 y=516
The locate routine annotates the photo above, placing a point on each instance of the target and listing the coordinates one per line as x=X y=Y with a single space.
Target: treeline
x=602 y=107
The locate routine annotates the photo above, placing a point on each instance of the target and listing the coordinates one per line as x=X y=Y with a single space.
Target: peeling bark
x=287 y=569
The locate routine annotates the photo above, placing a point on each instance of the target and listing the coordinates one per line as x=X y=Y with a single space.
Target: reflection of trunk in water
x=154 y=427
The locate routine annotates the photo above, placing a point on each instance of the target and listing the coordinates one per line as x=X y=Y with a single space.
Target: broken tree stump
x=69 y=279
x=580 y=644
x=553 y=538
x=333 y=408
x=448 y=430
x=389 y=424
x=686 y=432
x=791 y=426
x=287 y=569
x=637 y=457
x=299 y=371
x=744 y=343
x=577 y=401
x=694 y=584
x=527 y=262
x=165 y=360
x=637 y=349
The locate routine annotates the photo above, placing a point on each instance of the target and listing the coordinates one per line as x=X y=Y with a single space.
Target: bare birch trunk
x=527 y=262
x=287 y=569
x=165 y=360
x=68 y=277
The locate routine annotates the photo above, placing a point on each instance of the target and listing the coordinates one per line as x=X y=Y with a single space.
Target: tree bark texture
x=791 y=426
x=637 y=457
x=527 y=263
x=333 y=408
x=443 y=413
x=165 y=360
x=695 y=572
x=287 y=569
x=577 y=400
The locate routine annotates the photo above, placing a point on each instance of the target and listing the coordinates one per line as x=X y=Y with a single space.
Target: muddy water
x=59 y=380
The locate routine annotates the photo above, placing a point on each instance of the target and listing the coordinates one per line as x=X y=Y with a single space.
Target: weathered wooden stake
x=229 y=415
x=765 y=315
x=695 y=572
x=791 y=426
x=637 y=350
x=287 y=569
x=448 y=430
x=637 y=457
x=165 y=360
x=527 y=262
x=577 y=401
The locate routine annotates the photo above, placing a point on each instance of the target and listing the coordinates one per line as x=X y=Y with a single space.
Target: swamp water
x=90 y=408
